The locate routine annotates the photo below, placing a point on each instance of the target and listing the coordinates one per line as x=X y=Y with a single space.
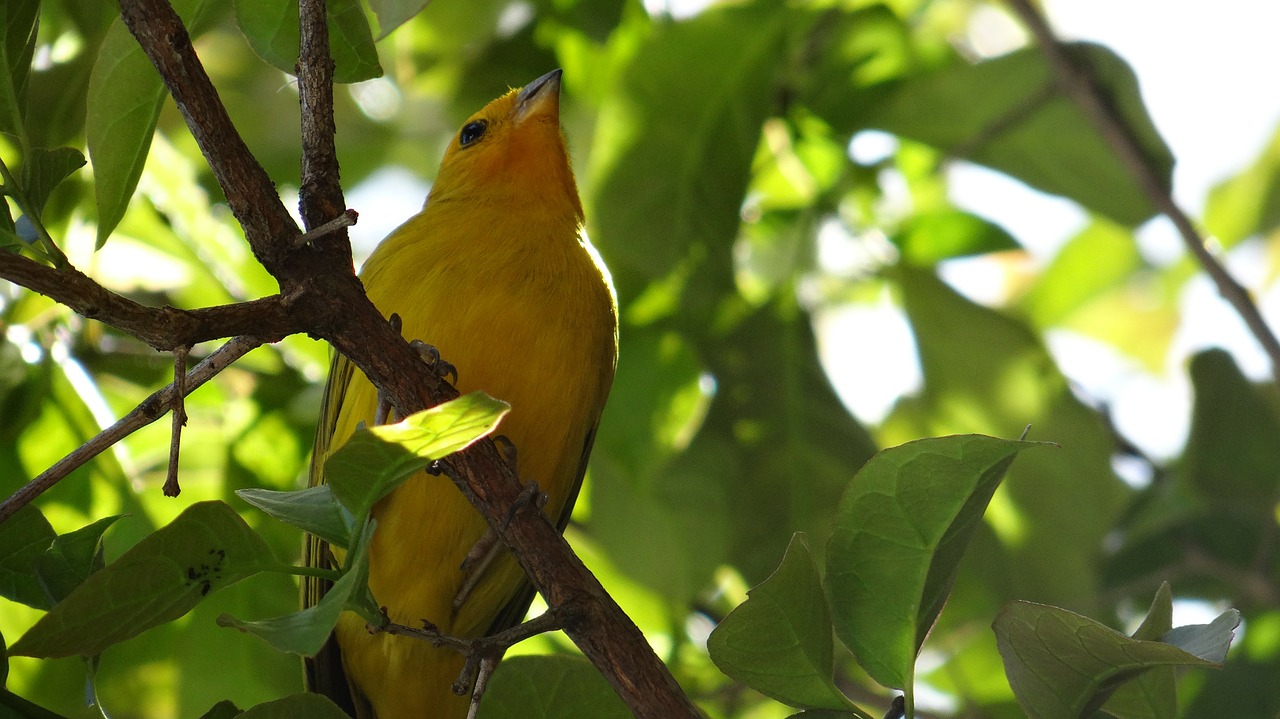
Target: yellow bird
x=495 y=273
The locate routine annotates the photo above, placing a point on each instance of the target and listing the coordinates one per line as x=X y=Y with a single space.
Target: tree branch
x=1080 y=85
x=150 y=410
x=163 y=328
x=329 y=302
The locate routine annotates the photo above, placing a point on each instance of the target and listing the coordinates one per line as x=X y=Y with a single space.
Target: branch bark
x=1079 y=84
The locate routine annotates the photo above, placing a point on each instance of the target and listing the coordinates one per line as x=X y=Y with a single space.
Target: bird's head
x=511 y=151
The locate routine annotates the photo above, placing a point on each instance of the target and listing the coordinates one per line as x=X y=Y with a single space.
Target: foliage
x=714 y=166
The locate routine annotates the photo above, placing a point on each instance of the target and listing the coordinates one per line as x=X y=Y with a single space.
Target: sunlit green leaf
x=125 y=97
x=550 y=687
x=206 y=548
x=929 y=238
x=1249 y=203
x=1008 y=114
x=901 y=529
x=377 y=459
x=778 y=642
x=1100 y=257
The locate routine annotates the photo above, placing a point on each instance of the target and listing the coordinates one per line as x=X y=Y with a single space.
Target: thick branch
x=1079 y=85
x=249 y=191
x=163 y=328
x=320 y=195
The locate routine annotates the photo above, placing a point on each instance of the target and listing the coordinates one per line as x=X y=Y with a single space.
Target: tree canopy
x=974 y=548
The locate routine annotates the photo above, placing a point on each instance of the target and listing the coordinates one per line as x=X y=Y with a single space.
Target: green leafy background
x=711 y=152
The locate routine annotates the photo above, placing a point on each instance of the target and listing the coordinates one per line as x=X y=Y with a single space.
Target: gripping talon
x=429 y=354
x=506 y=448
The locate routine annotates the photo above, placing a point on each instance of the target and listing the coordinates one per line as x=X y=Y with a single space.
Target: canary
x=496 y=273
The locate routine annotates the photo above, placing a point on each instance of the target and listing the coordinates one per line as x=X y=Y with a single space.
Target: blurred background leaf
x=780 y=191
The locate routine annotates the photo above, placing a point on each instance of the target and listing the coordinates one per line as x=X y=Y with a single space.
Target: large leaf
x=778 y=642
x=550 y=687
x=1231 y=456
x=204 y=549
x=988 y=373
x=901 y=528
x=43 y=170
x=1008 y=113
x=125 y=97
x=271 y=26
x=1063 y=666
x=688 y=109
x=18 y=23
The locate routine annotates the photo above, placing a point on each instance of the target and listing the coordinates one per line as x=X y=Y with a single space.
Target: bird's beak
x=540 y=97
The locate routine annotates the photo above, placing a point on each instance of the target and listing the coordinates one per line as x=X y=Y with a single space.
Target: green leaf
x=305 y=632
x=722 y=93
x=1209 y=642
x=778 y=642
x=1063 y=666
x=901 y=529
x=125 y=97
x=271 y=27
x=43 y=170
x=312 y=510
x=932 y=237
x=72 y=558
x=18 y=24
x=988 y=373
x=550 y=687
x=224 y=709
x=1249 y=203
x=312 y=706
x=1008 y=114
x=392 y=14
x=1153 y=694
x=1230 y=456
x=375 y=460
x=161 y=578
x=23 y=538
x=1099 y=258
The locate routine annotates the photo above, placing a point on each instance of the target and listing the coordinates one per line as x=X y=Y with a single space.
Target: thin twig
x=179 y=414
x=341 y=222
x=1082 y=88
x=148 y=411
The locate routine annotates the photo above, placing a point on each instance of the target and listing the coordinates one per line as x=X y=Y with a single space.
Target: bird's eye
x=471 y=132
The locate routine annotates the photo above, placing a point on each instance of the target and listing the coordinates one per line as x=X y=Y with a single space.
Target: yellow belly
x=541 y=338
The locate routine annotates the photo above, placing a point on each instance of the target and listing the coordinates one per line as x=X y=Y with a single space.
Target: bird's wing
x=324 y=673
